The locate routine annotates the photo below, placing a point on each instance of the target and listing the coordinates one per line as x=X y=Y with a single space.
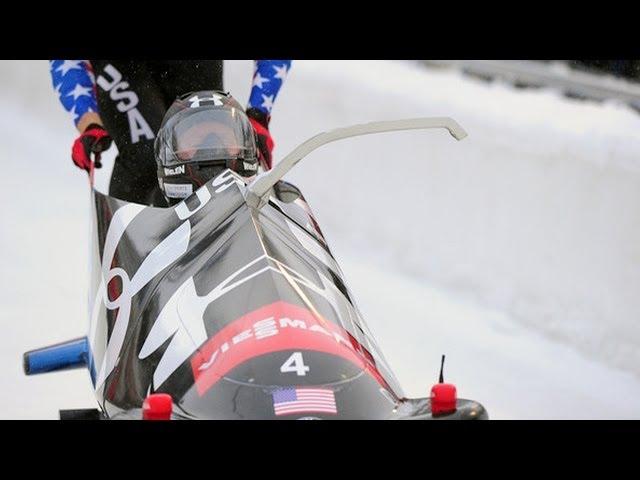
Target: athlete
x=202 y=134
x=124 y=101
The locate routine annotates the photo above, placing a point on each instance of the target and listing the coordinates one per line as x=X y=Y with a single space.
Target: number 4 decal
x=295 y=363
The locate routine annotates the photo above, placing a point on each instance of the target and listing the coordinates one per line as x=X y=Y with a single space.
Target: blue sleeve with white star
x=268 y=77
x=74 y=83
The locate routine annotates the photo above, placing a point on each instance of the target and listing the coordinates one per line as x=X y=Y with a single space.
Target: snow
x=516 y=251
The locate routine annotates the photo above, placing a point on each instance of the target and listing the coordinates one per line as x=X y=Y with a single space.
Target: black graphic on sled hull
x=236 y=262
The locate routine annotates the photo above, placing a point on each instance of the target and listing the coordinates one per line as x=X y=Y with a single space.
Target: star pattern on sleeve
x=80 y=91
x=267 y=102
x=268 y=77
x=74 y=83
x=281 y=72
x=258 y=80
x=67 y=65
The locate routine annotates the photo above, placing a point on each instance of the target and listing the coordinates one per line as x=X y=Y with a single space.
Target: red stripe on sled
x=273 y=328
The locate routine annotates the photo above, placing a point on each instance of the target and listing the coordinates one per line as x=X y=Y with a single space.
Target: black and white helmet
x=203 y=134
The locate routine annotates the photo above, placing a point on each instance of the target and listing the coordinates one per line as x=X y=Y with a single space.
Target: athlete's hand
x=94 y=139
x=260 y=122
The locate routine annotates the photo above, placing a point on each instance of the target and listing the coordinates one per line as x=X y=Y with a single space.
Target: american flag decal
x=288 y=401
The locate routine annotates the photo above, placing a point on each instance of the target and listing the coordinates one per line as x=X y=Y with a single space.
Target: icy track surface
x=516 y=251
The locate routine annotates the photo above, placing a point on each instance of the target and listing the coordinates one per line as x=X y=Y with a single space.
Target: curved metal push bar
x=258 y=191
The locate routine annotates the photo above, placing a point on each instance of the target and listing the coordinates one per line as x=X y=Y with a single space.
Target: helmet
x=202 y=134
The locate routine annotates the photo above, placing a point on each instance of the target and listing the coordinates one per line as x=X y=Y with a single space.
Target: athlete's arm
x=268 y=77
x=74 y=82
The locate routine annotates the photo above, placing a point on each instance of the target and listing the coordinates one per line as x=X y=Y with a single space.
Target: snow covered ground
x=516 y=251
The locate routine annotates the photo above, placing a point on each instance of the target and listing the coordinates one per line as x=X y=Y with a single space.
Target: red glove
x=94 y=139
x=260 y=122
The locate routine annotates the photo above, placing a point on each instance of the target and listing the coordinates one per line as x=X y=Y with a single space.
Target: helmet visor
x=207 y=135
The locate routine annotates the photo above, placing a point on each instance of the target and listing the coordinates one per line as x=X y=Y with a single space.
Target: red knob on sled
x=443 y=399
x=157 y=406
x=443 y=395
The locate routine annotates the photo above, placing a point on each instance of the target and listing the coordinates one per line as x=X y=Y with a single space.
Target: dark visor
x=206 y=135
